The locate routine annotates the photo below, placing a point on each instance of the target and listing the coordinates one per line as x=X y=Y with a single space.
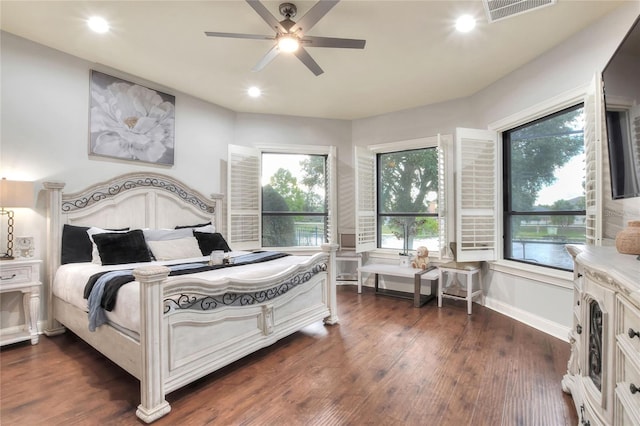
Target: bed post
x=152 y=343
x=54 y=237
x=331 y=283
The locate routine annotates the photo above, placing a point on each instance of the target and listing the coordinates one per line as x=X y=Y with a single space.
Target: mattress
x=71 y=279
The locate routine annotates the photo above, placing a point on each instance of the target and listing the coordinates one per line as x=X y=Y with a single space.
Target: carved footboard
x=190 y=329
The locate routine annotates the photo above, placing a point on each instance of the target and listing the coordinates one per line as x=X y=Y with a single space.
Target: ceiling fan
x=291 y=36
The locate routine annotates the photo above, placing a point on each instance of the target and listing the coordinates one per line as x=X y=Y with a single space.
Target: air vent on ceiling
x=501 y=9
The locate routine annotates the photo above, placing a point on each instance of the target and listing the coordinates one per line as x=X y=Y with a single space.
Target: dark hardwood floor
x=386 y=363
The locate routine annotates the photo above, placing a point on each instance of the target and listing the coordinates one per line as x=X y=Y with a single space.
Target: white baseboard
x=539 y=323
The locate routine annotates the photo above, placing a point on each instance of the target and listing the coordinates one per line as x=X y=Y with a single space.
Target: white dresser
x=603 y=372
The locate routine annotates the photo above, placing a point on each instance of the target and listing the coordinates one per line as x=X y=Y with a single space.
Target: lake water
x=547 y=253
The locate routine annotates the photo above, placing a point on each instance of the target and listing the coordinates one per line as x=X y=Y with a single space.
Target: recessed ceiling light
x=465 y=23
x=98 y=24
x=254 y=91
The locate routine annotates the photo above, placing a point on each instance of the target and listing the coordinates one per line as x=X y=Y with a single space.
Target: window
x=401 y=191
x=407 y=211
x=544 y=189
x=294 y=202
x=280 y=196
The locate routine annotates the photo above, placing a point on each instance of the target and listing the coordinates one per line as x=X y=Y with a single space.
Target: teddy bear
x=421 y=260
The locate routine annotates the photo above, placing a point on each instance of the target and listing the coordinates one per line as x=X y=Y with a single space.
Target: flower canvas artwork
x=130 y=122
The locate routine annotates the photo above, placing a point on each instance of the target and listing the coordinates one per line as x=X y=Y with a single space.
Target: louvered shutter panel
x=442 y=198
x=331 y=174
x=476 y=194
x=244 y=195
x=593 y=140
x=365 y=171
x=635 y=136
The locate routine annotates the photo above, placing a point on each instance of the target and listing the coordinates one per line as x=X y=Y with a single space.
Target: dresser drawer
x=15 y=274
x=626 y=406
x=628 y=324
x=628 y=371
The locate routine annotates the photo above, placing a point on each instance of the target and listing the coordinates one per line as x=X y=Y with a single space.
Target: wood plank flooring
x=386 y=363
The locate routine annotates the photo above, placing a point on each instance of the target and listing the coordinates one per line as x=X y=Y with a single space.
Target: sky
x=568 y=184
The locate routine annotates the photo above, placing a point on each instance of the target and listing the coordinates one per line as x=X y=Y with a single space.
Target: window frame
x=591 y=94
x=251 y=187
x=507 y=210
x=444 y=142
x=324 y=214
x=379 y=214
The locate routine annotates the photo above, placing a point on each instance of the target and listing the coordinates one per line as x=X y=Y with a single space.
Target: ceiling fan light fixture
x=288 y=44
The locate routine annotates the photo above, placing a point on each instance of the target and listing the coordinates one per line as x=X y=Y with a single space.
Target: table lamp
x=13 y=194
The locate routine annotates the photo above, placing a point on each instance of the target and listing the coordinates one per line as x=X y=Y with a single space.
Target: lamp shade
x=15 y=193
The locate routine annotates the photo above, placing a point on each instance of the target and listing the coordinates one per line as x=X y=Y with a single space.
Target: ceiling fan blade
x=313 y=15
x=236 y=35
x=271 y=20
x=306 y=59
x=345 y=43
x=271 y=54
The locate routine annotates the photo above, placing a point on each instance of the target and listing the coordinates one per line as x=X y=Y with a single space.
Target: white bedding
x=71 y=279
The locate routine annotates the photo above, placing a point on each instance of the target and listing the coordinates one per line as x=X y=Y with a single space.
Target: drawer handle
x=8 y=278
x=632 y=333
x=582 y=420
x=633 y=388
x=579 y=329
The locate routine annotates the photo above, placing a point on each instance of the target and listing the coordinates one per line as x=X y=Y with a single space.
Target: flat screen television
x=621 y=82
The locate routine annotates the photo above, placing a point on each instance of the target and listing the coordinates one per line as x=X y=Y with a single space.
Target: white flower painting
x=130 y=122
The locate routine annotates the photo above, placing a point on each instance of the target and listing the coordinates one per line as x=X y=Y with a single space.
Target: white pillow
x=166 y=234
x=182 y=248
x=95 y=255
x=173 y=234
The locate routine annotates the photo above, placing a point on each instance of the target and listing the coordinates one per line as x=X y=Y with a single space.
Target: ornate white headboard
x=134 y=200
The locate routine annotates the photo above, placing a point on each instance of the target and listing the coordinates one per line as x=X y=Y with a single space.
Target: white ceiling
x=413 y=56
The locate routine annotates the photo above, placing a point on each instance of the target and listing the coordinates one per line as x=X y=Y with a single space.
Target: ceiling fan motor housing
x=288 y=10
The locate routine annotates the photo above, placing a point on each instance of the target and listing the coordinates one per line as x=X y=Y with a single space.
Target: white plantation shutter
x=244 y=198
x=593 y=140
x=631 y=153
x=332 y=209
x=365 y=171
x=442 y=196
x=476 y=194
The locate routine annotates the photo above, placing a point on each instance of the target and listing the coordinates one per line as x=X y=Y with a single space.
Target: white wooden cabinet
x=603 y=372
x=22 y=276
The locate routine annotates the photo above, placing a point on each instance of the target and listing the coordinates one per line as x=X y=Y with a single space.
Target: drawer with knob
x=628 y=324
x=627 y=388
x=11 y=274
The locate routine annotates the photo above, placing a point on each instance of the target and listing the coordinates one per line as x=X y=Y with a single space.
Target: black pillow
x=127 y=247
x=200 y=225
x=209 y=242
x=76 y=245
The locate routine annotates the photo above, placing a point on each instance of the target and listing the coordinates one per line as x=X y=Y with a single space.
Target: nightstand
x=22 y=275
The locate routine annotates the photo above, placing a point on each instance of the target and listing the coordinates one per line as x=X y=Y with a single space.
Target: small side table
x=22 y=275
x=456 y=290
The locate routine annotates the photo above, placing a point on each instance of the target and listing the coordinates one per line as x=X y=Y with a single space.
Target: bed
x=188 y=325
